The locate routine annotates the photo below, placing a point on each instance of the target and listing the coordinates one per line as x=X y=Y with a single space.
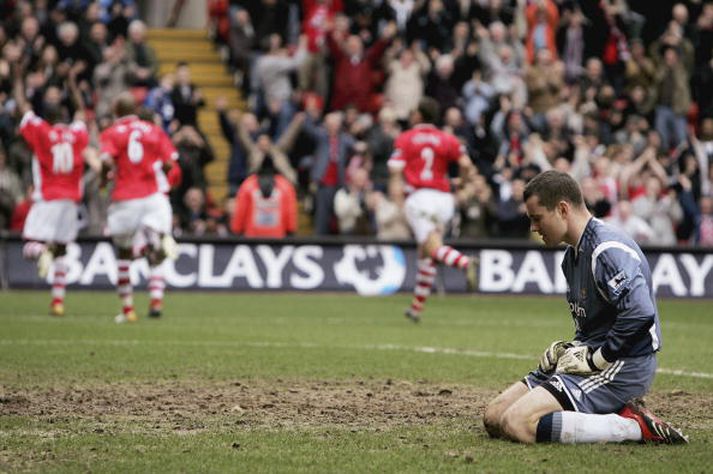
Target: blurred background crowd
x=617 y=93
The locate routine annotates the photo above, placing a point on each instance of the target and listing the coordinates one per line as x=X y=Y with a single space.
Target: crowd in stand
x=620 y=98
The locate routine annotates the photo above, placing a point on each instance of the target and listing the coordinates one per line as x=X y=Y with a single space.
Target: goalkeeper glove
x=582 y=360
x=548 y=361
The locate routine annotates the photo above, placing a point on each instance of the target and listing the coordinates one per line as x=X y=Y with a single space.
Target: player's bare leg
x=123 y=286
x=495 y=409
x=538 y=417
x=59 y=280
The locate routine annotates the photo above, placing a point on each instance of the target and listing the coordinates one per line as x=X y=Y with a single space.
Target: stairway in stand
x=213 y=78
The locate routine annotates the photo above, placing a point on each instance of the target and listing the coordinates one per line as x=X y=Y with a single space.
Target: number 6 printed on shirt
x=135 y=149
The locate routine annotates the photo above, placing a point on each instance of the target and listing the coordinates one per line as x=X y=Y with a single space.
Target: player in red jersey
x=60 y=151
x=419 y=165
x=138 y=153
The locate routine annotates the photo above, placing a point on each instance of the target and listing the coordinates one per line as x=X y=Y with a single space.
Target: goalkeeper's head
x=556 y=208
x=552 y=186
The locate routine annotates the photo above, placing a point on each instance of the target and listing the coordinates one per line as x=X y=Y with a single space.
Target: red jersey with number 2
x=424 y=153
x=139 y=150
x=58 y=165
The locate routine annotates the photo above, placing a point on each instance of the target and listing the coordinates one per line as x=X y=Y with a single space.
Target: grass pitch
x=312 y=383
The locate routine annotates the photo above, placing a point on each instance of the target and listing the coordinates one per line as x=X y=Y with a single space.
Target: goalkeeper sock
x=59 y=280
x=424 y=282
x=123 y=286
x=570 y=427
x=449 y=256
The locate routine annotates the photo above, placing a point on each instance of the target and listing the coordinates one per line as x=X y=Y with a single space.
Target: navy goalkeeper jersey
x=610 y=293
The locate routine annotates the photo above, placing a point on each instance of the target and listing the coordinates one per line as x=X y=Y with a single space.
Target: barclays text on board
x=368 y=269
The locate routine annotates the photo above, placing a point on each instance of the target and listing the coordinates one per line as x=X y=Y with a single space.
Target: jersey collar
x=578 y=247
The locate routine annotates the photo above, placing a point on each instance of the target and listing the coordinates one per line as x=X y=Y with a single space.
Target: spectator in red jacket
x=265 y=205
x=354 y=68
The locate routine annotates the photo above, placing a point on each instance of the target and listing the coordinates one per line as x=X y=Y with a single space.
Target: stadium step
x=214 y=80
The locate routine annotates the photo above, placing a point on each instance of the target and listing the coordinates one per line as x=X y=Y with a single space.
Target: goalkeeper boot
x=471 y=274
x=44 y=262
x=653 y=429
x=57 y=309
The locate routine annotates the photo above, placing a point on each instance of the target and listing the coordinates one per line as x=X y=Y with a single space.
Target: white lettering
x=666 y=274
x=697 y=273
x=73 y=262
x=306 y=260
x=175 y=279
x=274 y=264
x=102 y=262
x=496 y=270
x=206 y=279
x=533 y=270
x=241 y=265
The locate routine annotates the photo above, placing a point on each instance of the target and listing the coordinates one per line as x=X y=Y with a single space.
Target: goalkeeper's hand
x=582 y=360
x=549 y=359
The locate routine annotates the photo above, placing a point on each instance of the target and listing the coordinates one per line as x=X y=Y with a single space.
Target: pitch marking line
x=308 y=345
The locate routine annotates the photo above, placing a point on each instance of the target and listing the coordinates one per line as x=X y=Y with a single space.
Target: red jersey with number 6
x=423 y=153
x=58 y=164
x=139 y=150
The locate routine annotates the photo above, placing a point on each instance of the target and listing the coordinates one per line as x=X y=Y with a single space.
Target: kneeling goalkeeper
x=587 y=390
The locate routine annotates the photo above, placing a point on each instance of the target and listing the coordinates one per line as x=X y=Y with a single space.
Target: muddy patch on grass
x=185 y=407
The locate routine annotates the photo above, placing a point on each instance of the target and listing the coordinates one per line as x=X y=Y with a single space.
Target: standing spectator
x=159 y=100
x=405 y=84
x=571 y=42
x=237 y=166
x=141 y=56
x=332 y=147
x=350 y=204
x=419 y=165
x=139 y=220
x=660 y=210
x=674 y=99
x=10 y=190
x=186 y=97
x=318 y=15
x=441 y=85
x=241 y=40
x=632 y=225
x=266 y=205
x=354 y=68
x=704 y=223
x=544 y=80
x=542 y=21
x=273 y=71
x=110 y=77
x=257 y=150
x=389 y=218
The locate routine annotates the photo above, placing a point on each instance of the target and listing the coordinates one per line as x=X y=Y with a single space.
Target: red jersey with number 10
x=424 y=153
x=58 y=165
x=139 y=150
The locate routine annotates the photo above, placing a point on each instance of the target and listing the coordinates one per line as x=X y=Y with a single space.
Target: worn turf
x=309 y=382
